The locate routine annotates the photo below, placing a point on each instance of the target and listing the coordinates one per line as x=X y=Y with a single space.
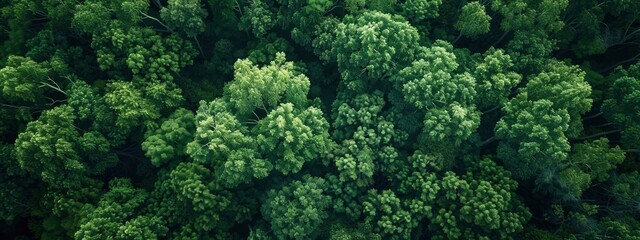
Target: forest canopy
x=320 y=119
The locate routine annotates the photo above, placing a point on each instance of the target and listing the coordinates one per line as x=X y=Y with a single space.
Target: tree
x=169 y=141
x=372 y=46
x=292 y=136
x=421 y=9
x=621 y=106
x=129 y=105
x=117 y=215
x=21 y=78
x=534 y=136
x=298 y=209
x=257 y=17
x=233 y=138
x=435 y=86
x=265 y=88
x=566 y=88
x=53 y=149
x=185 y=16
x=473 y=20
x=479 y=204
x=495 y=79
x=188 y=201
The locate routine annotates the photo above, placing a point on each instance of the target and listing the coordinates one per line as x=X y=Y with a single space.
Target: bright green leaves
x=53 y=149
x=265 y=88
x=129 y=104
x=533 y=134
x=21 y=78
x=94 y=16
x=360 y=125
x=429 y=85
x=473 y=20
x=421 y=9
x=596 y=158
x=589 y=163
x=142 y=51
x=360 y=232
x=293 y=136
x=261 y=123
x=530 y=14
x=91 y=17
x=116 y=216
x=298 y=209
x=495 y=78
x=533 y=22
x=302 y=17
x=184 y=16
x=566 y=88
x=92 y=109
x=479 y=205
x=47 y=148
x=371 y=46
x=383 y=210
x=223 y=142
x=447 y=97
x=188 y=201
x=169 y=141
x=540 y=119
x=454 y=124
x=258 y=18
x=622 y=106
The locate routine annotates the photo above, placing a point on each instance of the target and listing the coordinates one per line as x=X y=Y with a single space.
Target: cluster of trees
x=320 y=119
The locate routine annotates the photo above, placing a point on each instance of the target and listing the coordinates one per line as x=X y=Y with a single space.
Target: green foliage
x=54 y=150
x=534 y=136
x=265 y=88
x=622 y=106
x=21 y=78
x=596 y=158
x=473 y=20
x=233 y=138
x=258 y=18
x=130 y=106
x=383 y=210
x=141 y=50
x=298 y=209
x=522 y=15
x=372 y=46
x=185 y=16
x=480 y=204
x=223 y=142
x=495 y=78
x=421 y=9
x=361 y=232
x=626 y=192
x=359 y=124
x=189 y=119
x=187 y=200
x=447 y=98
x=566 y=88
x=292 y=136
x=116 y=216
x=169 y=141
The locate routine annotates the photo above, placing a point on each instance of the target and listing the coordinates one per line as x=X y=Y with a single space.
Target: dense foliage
x=319 y=119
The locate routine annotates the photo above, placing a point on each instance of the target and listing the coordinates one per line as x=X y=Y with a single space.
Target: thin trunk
x=500 y=39
x=592 y=116
x=598 y=135
x=490 y=140
x=492 y=109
